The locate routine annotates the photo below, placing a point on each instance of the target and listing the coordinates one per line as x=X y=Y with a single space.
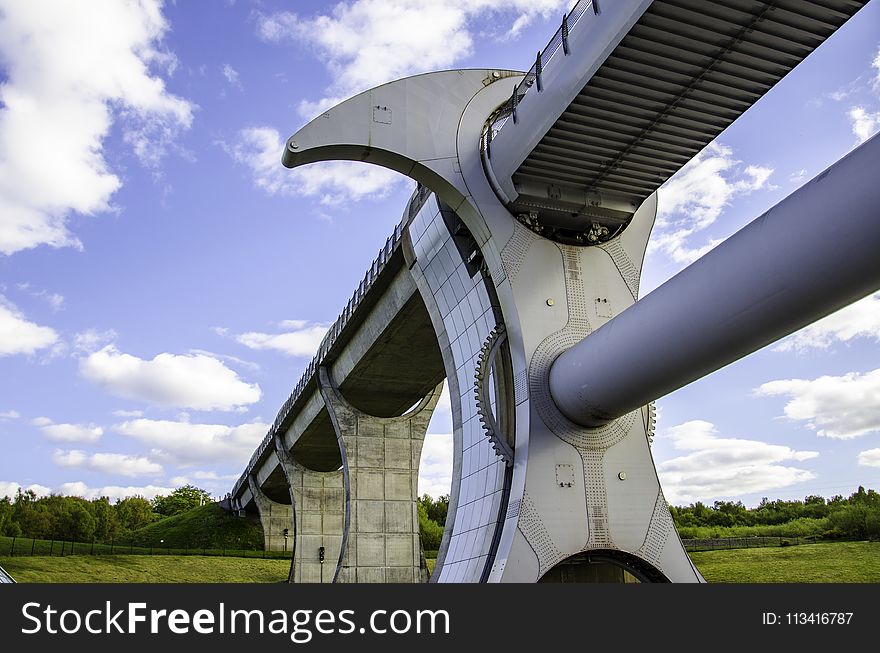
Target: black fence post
x=71 y=546
x=111 y=546
x=12 y=550
x=93 y=548
x=33 y=546
x=63 y=544
x=51 y=546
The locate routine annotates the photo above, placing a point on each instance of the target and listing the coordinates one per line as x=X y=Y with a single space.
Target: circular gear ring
x=487 y=358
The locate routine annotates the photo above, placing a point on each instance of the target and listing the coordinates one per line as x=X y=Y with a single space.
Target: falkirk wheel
x=524 y=243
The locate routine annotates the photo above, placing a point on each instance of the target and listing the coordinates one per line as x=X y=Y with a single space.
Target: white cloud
x=91 y=340
x=838 y=407
x=68 y=432
x=17 y=335
x=864 y=123
x=128 y=413
x=870 y=458
x=798 y=176
x=187 y=443
x=203 y=478
x=858 y=320
x=71 y=69
x=10 y=489
x=694 y=197
x=331 y=182
x=435 y=469
x=876 y=66
x=10 y=414
x=168 y=380
x=113 y=492
x=55 y=300
x=364 y=43
x=302 y=341
x=231 y=75
x=226 y=357
x=107 y=463
x=725 y=467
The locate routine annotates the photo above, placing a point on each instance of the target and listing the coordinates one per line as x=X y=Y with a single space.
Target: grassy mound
x=208 y=527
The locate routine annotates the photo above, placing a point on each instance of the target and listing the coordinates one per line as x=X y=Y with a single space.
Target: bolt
x=293 y=146
x=551 y=302
x=622 y=476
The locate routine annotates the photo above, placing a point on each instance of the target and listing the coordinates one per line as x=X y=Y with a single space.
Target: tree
x=430 y=531
x=107 y=524
x=181 y=500
x=436 y=509
x=133 y=513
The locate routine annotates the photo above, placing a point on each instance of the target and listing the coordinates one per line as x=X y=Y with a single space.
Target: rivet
x=622 y=476
x=551 y=301
x=293 y=145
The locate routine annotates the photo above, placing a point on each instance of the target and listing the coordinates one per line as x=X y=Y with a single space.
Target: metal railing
x=419 y=197
x=534 y=78
x=30 y=546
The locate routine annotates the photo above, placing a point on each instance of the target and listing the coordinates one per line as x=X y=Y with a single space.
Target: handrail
x=534 y=76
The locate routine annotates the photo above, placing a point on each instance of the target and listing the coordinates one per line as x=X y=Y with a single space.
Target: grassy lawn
x=832 y=562
x=827 y=562
x=144 y=569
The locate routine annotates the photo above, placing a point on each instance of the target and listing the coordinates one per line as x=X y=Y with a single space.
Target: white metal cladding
x=466 y=311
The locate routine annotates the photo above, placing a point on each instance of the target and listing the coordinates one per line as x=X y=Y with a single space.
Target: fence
x=716 y=543
x=18 y=546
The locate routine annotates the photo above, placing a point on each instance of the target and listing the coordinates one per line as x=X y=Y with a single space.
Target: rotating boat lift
x=526 y=238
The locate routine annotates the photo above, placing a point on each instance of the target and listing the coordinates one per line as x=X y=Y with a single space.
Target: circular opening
x=603 y=566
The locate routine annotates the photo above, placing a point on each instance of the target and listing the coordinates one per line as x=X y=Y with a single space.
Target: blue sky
x=164 y=280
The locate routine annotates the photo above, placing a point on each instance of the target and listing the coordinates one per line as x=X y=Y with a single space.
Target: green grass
x=206 y=527
x=827 y=562
x=145 y=569
x=832 y=562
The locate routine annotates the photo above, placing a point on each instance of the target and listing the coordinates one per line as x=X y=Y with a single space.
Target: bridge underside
x=397 y=372
x=680 y=76
x=403 y=366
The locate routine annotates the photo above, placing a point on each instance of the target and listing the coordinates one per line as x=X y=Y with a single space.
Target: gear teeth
x=484 y=412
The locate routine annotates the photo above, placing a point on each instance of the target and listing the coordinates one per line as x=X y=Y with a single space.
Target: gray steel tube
x=813 y=253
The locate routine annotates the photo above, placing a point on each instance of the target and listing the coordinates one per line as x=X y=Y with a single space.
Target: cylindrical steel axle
x=813 y=253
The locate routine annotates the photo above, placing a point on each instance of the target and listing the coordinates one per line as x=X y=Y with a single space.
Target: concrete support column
x=318 y=500
x=275 y=517
x=381 y=467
